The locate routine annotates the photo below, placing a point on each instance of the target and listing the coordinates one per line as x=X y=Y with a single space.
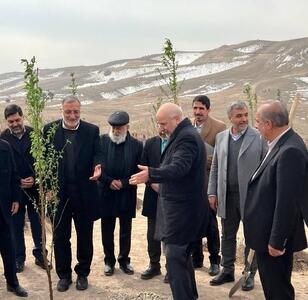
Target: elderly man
x=121 y=154
x=238 y=152
x=9 y=197
x=18 y=136
x=208 y=127
x=273 y=219
x=182 y=209
x=79 y=168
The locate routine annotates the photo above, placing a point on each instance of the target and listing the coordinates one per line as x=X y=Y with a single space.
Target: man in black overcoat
x=121 y=155
x=9 y=204
x=79 y=168
x=273 y=216
x=151 y=154
x=18 y=136
x=183 y=207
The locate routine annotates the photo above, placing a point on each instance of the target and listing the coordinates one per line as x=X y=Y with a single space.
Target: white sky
x=86 y=32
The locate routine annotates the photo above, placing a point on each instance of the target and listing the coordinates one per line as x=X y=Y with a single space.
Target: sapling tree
x=46 y=161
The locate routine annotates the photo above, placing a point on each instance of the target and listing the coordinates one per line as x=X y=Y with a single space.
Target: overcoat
x=277 y=193
x=182 y=215
x=117 y=203
x=9 y=182
x=150 y=157
x=88 y=154
x=252 y=150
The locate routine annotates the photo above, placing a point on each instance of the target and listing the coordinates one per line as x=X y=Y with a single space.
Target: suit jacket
x=88 y=154
x=182 y=214
x=23 y=159
x=150 y=157
x=273 y=210
x=208 y=133
x=120 y=202
x=9 y=182
x=251 y=152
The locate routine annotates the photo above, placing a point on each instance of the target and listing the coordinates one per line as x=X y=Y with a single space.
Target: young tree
x=169 y=72
x=252 y=99
x=46 y=160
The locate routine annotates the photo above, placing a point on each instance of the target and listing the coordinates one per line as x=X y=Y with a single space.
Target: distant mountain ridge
x=267 y=65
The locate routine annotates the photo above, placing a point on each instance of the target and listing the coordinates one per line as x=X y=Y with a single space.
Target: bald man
x=274 y=207
x=182 y=206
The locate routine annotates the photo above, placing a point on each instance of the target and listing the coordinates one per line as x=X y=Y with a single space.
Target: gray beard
x=117 y=139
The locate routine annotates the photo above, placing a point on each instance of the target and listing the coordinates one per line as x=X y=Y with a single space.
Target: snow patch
x=7 y=80
x=209 y=89
x=51 y=76
x=250 y=49
x=288 y=58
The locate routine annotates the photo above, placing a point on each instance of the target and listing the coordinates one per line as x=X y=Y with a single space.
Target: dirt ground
x=125 y=287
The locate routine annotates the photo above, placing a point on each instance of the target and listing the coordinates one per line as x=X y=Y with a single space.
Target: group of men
x=193 y=170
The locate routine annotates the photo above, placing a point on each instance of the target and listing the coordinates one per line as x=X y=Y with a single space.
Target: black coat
x=150 y=157
x=120 y=202
x=88 y=154
x=183 y=208
x=23 y=158
x=9 y=182
x=275 y=196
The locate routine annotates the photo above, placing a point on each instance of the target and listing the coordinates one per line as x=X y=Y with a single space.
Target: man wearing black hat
x=121 y=154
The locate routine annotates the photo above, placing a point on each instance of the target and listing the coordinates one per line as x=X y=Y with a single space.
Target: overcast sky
x=87 y=32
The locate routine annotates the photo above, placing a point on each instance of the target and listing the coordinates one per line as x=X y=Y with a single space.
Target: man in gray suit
x=237 y=154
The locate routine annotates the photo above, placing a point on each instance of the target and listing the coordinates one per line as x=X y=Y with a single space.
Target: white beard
x=117 y=139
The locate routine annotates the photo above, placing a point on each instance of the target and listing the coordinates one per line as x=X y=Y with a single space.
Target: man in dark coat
x=121 y=153
x=152 y=150
x=18 y=136
x=273 y=216
x=79 y=168
x=183 y=208
x=9 y=197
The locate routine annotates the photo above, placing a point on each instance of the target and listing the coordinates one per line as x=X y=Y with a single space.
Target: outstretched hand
x=141 y=177
x=97 y=173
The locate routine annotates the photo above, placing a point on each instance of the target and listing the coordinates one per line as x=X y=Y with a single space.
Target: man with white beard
x=121 y=155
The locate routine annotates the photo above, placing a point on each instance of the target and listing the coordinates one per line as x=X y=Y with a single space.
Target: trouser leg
x=180 y=272
x=213 y=239
x=275 y=274
x=197 y=253
x=125 y=239
x=84 y=231
x=19 y=236
x=154 y=247
x=8 y=252
x=229 y=227
x=107 y=228
x=62 y=236
x=36 y=230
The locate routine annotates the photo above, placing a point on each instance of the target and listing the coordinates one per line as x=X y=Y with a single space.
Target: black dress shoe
x=18 y=290
x=108 y=270
x=81 y=283
x=166 y=278
x=222 y=278
x=249 y=284
x=127 y=269
x=20 y=267
x=64 y=284
x=40 y=263
x=150 y=272
x=214 y=270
